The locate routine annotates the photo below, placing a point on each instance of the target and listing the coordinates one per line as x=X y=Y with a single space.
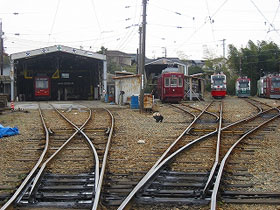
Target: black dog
x=158 y=117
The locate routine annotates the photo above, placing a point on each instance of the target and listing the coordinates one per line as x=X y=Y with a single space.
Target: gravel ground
x=138 y=140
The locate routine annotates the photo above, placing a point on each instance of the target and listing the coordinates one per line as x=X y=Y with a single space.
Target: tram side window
x=174 y=82
x=180 y=82
x=167 y=82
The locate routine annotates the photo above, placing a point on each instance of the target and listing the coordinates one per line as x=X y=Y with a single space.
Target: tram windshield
x=275 y=83
x=42 y=83
x=244 y=84
x=218 y=81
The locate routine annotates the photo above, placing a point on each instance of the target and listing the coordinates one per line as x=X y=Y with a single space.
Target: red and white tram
x=218 y=85
x=269 y=86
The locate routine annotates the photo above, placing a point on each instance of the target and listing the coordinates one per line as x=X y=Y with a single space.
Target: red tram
x=42 y=87
x=170 y=87
x=269 y=86
x=218 y=85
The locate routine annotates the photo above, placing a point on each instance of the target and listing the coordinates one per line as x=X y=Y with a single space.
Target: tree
x=113 y=67
x=102 y=50
x=254 y=61
x=195 y=70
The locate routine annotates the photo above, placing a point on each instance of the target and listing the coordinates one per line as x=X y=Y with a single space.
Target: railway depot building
x=58 y=73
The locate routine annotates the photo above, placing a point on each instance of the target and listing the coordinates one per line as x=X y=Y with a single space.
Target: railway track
x=71 y=168
x=173 y=173
x=153 y=188
x=121 y=180
x=242 y=181
x=212 y=161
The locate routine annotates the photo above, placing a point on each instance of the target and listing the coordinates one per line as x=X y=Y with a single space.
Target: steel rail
x=40 y=172
x=223 y=162
x=30 y=175
x=160 y=160
x=248 y=101
x=195 y=108
x=89 y=142
x=177 y=107
x=216 y=162
x=157 y=166
x=261 y=102
x=104 y=162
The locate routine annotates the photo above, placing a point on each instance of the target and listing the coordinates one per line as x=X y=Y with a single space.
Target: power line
x=171 y=11
x=132 y=32
x=210 y=19
x=264 y=17
x=54 y=19
x=169 y=26
x=202 y=25
x=276 y=13
x=94 y=11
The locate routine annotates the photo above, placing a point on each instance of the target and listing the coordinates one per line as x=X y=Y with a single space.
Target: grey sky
x=184 y=28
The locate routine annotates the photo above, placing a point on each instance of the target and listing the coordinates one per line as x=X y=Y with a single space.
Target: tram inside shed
x=58 y=76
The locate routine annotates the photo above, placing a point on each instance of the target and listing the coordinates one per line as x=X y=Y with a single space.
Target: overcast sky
x=179 y=27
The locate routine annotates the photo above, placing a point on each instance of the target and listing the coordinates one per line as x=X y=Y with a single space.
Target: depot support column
x=12 y=79
x=105 y=78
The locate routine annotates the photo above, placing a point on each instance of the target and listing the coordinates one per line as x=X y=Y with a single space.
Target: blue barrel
x=106 y=98
x=134 y=102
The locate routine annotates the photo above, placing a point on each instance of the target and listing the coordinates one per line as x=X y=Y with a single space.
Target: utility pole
x=139 y=52
x=142 y=52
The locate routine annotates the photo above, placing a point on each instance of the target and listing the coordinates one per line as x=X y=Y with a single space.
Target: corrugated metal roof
x=161 y=61
x=57 y=48
x=127 y=76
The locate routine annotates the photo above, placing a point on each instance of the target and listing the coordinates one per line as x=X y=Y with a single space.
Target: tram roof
x=164 y=61
x=57 y=48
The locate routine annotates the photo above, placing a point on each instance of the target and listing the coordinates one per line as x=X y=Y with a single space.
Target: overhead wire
x=97 y=20
x=210 y=20
x=171 y=11
x=201 y=26
x=169 y=26
x=95 y=14
x=54 y=19
x=265 y=17
x=132 y=32
x=276 y=13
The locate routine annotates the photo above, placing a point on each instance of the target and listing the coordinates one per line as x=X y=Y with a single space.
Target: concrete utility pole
x=139 y=52
x=142 y=52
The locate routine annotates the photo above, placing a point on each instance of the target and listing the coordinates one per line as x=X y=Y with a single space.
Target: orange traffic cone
x=12 y=105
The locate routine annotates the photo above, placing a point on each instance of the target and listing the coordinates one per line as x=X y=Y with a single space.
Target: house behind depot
x=125 y=87
x=119 y=58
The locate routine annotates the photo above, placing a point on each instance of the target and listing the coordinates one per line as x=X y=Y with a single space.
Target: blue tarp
x=8 y=131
